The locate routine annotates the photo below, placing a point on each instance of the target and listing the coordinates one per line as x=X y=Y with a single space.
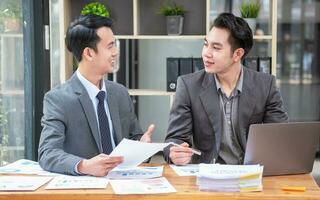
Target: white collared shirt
x=93 y=91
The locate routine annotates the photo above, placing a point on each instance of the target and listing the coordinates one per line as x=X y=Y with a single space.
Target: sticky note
x=295 y=189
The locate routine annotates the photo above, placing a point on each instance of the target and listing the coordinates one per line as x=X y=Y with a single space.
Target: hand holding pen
x=195 y=151
x=181 y=154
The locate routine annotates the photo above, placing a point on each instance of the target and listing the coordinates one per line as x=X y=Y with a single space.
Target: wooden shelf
x=149 y=92
x=262 y=37
x=139 y=20
x=186 y=37
x=172 y=37
x=295 y=81
x=149 y=22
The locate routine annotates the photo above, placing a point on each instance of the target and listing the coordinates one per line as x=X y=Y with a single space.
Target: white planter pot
x=252 y=22
x=174 y=25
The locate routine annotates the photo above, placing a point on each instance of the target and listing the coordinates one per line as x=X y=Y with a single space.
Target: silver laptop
x=283 y=148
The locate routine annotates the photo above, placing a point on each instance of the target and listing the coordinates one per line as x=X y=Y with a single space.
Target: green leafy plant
x=12 y=9
x=95 y=8
x=172 y=10
x=250 y=9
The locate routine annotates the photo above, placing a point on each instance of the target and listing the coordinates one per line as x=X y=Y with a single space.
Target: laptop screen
x=283 y=148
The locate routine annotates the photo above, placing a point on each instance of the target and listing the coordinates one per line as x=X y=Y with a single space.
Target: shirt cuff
x=76 y=168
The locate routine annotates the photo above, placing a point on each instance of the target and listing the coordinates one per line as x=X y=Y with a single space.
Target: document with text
x=77 y=182
x=22 y=183
x=186 y=170
x=136 y=173
x=230 y=178
x=135 y=152
x=24 y=166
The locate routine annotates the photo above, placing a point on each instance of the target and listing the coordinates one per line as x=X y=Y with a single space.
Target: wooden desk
x=186 y=190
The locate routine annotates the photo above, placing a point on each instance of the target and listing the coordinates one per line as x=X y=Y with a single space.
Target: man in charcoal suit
x=213 y=108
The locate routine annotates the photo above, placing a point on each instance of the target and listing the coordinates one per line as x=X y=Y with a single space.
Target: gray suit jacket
x=195 y=114
x=70 y=129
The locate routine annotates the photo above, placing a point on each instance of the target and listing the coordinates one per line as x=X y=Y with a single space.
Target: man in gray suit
x=86 y=117
x=214 y=107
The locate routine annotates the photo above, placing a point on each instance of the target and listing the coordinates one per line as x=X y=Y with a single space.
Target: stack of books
x=230 y=178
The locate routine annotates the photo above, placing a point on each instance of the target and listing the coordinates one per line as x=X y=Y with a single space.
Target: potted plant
x=95 y=8
x=250 y=11
x=11 y=16
x=175 y=15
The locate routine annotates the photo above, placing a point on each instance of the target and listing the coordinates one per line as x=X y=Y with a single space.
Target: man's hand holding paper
x=135 y=152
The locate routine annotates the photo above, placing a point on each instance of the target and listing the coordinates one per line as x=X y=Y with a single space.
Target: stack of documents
x=230 y=178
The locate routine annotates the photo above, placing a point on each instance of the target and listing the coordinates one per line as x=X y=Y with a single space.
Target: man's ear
x=87 y=54
x=238 y=54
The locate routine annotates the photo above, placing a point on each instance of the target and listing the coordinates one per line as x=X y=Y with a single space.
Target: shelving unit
x=138 y=20
x=131 y=23
x=146 y=92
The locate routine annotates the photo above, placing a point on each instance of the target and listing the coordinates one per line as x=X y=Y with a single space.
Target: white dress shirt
x=93 y=91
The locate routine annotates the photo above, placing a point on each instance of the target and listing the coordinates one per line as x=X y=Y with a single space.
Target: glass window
x=11 y=82
x=56 y=44
x=298 y=65
x=298 y=58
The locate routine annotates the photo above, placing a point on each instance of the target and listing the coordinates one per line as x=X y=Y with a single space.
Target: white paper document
x=230 y=178
x=24 y=166
x=77 y=182
x=142 y=186
x=22 y=183
x=135 y=152
x=186 y=170
x=228 y=171
x=136 y=173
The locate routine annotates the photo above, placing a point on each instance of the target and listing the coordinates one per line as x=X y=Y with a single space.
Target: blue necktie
x=104 y=124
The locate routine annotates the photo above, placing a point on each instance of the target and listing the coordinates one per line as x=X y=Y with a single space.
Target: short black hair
x=240 y=32
x=82 y=33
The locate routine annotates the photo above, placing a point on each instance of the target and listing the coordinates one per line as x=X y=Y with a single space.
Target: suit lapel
x=211 y=104
x=114 y=112
x=246 y=105
x=88 y=108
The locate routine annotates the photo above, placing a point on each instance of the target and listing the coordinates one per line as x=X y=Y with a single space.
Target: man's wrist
x=81 y=169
